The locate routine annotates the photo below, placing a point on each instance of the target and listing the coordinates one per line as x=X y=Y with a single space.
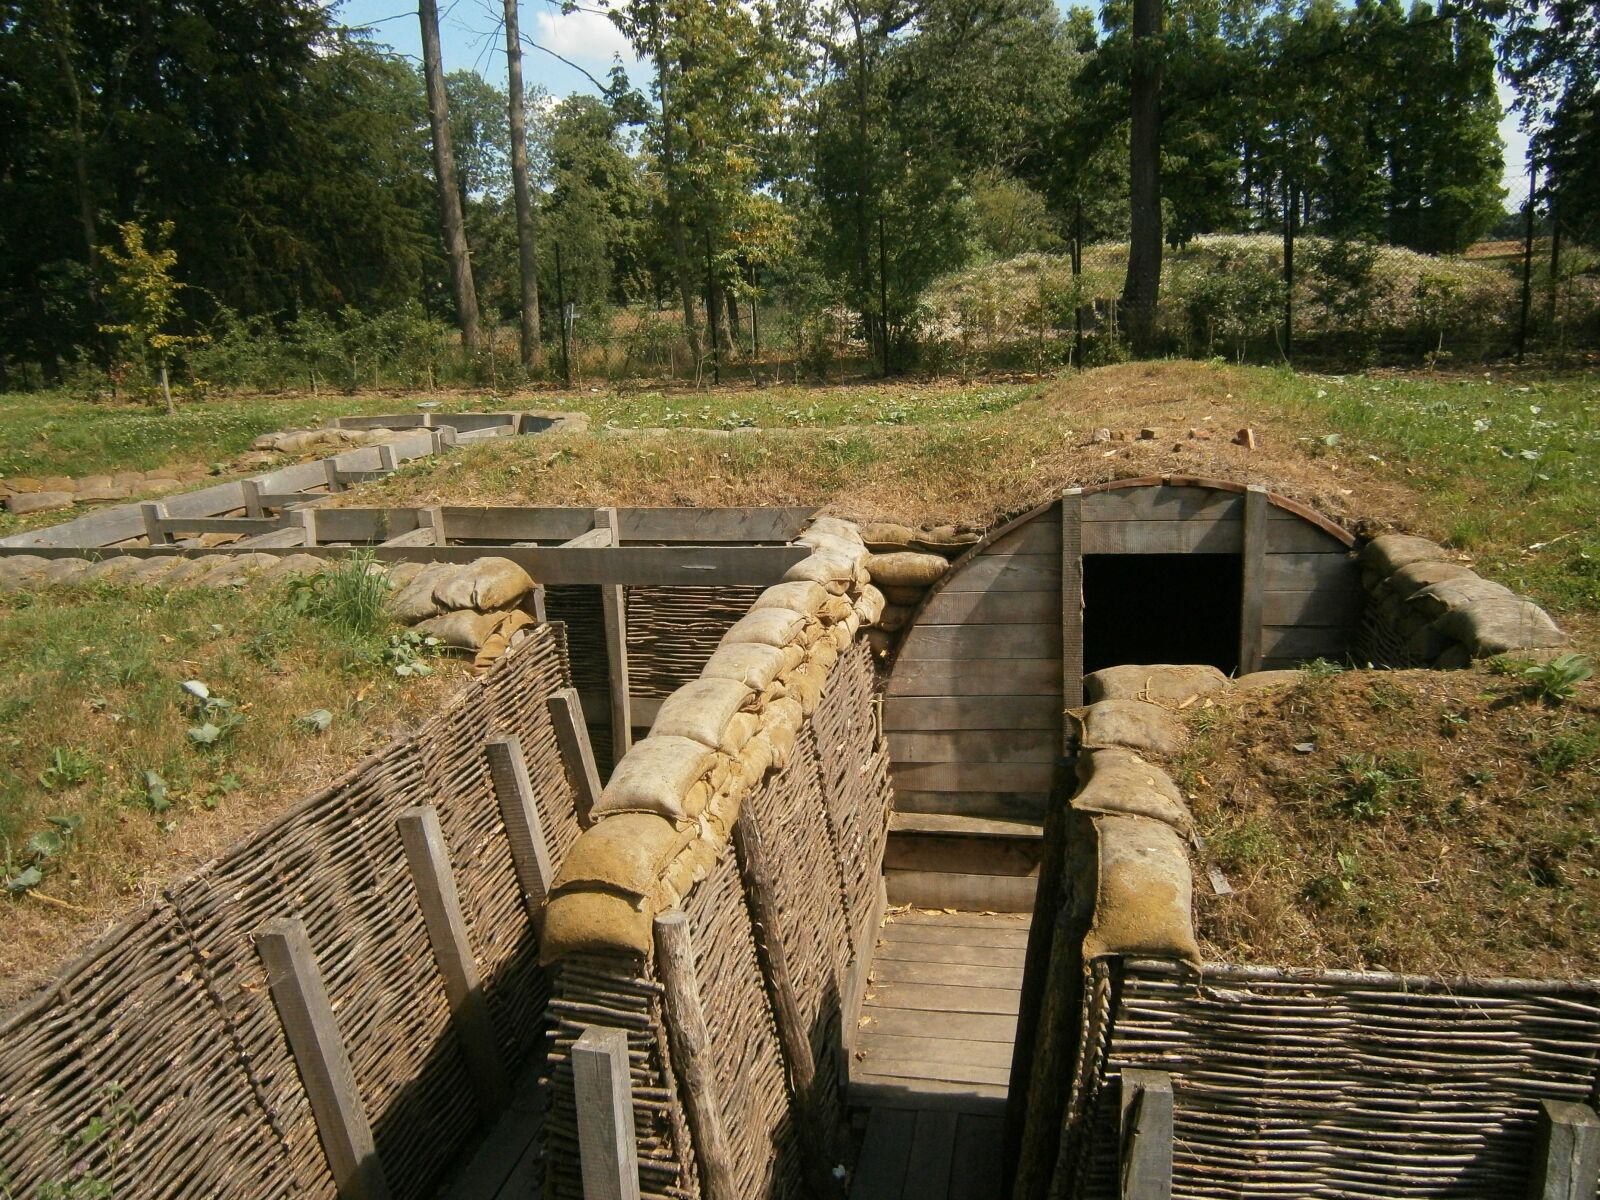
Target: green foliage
x=1556 y=681
x=216 y=719
x=406 y=653
x=351 y=596
x=1373 y=785
x=143 y=294
x=68 y=768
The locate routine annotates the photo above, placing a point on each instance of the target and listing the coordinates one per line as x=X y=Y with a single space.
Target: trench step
x=948 y=860
x=956 y=824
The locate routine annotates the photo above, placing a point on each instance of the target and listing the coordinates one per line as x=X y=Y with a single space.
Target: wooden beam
x=155 y=529
x=308 y=1022
x=387 y=460
x=572 y=735
x=690 y=1043
x=1071 y=604
x=1566 y=1156
x=615 y=603
x=330 y=473
x=530 y=850
x=794 y=1035
x=1147 y=1135
x=603 y=1097
x=1253 y=556
x=288 y=535
x=595 y=537
x=447 y=933
x=420 y=536
x=306 y=519
x=252 y=497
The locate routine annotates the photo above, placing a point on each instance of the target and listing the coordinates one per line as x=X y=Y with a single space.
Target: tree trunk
x=1142 y=288
x=527 y=251
x=444 y=171
x=669 y=171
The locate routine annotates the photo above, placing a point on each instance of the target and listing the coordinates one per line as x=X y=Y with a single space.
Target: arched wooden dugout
x=995 y=654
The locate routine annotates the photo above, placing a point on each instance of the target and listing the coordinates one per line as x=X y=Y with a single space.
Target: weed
x=1562 y=752
x=1337 y=884
x=1557 y=681
x=68 y=767
x=1248 y=844
x=1373 y=785
x=1319 y=669
x=406 y=652
x=217 y=718
x=351 y=597
x=1385 y=695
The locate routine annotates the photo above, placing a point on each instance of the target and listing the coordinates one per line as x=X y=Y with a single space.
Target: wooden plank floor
x=933 y=1054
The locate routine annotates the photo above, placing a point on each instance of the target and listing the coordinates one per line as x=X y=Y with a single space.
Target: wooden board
x=976 y=677
x=691 y=525
x=932 y=1145
x=1024 y=805
x=974 y=777
x=982 y=893
x=971 y=856
x=1042 y=535
x=948 y=607
x=971 y=712
x=937 y=1050
x=886 y=1091
x=976 y=640
x=953 y=920
x=875 y=1066
x=1297 y=536
x=1305 y=641
x=1198 y=536
x=975 y=746
x=934 y=997
x=1327 y=606
x=1308 y=572
x=1007 y=573
x=945 y=951
x=885 y=1155
x=1013 y=936
x=1161 y=503
x=937 y=824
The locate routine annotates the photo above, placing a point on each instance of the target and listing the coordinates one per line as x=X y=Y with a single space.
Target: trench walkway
x=934 y=1054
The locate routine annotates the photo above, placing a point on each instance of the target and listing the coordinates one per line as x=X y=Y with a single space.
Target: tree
x=527 y=251
x=1141 y=289
x=444 y=173
x=144 y=295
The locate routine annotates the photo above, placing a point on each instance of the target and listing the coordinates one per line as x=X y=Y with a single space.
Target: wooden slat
x=603 y=1094
x=973 y=640
x=975 y=746
x=953 y=920
x=951 y=826
x=530 y=851
x=982 y=893
x=908 y=713
x=885 y=1154
x=974 y=777
x=1305 y=641
x=1297 y=536
x=287 y=536
x=933 y=997
x=928 y=1173
x=309 y=1025
x=873 y=1091
x=412 y=537
x=966 y=855
x=686 y=525
x=1161 y=503
x=1253 y=567
x=998 y=608
x=976 y=677
x=977 y=1159
x=595 y=537
x=1198 y=536
x=1011 y=937
x=614 y=603
x=577 y=755
x=1146 y=1102
x=1042 y=535
x=1007 y=573
x=1023 y=805
x=945 y=951
x=969 y=1027
x=1326 y=606
x=1070 y=606
x=1307 y=572
x=953 y=1051
x=920 y=1069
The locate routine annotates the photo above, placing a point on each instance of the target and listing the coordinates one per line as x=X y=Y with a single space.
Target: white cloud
x=582 y=35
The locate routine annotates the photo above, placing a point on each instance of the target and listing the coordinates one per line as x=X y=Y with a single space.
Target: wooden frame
x=603 y=1094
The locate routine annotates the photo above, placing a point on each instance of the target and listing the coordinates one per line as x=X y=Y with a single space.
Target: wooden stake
x=1147 y=1135
x=154 y=531
x=761 y=896
x=447 y=933
x=303 y=1008
x=1254 y=566
x=1071 y=606
x=603 y=1095
x=252 y=497
x=1566 y=1161
x=530 y=851
x=387 y=460
x=614 y=601
x=572 y=735
x=691 y=1056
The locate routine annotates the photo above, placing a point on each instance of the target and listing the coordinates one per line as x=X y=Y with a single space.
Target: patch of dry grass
x=1433 y=822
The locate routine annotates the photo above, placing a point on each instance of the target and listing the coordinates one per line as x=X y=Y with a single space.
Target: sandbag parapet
x=1427 y=608
x=666 y=816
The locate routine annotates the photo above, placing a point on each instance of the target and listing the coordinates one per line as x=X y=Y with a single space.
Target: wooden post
x=252 y=497
x=761 y=896
x=306 y=518
x=615 y=604
x=1147 y=1135
x=1071 y=606
x=387 y=461
x=603 y=1095
x=330 y=472
x=691 y=1056
x=153 y=515
x=1254 y=556
x=572 y=735
x=313 y=1035
x=447 y=933
x=530 y=852
x=1566 y=1156
x=433 y=518
x=533 y=605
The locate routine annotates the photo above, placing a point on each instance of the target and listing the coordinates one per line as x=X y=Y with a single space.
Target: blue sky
x=469 y=33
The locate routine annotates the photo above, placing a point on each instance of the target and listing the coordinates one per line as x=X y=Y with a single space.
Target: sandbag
x=836 y=609
x=61 y=571
x=483 y=584
x=780 y=725
x=902 y=595
x=152 y=571
x=948 y=540
x=1160 y=683
x=401 y=574
x=701 y=710
x=625 y=852
x=594 y=922
x=654 y=777
x=824 y=654
x=509 y=630
x=1499 y=624
x=188 y=571
x=415 y=601
x=1389 y=553
x=305 y=564
x=830 y=527
x=1413 y=577
x=885 y=537
x=1144 y=891
x=870 y=604
x=895 y=617
x=753 y=664
x=117 y=568
x=766 y=626
x=1133 y=724
x=1119 y=781
x=906 y=569
x=464 y=629
x=834 y=571
x=1437 y=599
x=736 y=734
x=802 y=596
x=1268 y=679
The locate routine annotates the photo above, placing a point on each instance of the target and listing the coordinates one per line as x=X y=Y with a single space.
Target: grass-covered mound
x=1443 y=823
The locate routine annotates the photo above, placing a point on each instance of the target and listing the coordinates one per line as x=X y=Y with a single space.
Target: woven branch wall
x=824 y=819
x=166 y=1027
x=1339 y=1084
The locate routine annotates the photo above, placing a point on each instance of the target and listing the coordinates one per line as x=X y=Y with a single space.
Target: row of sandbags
x=1430 y=609
x=305 y=441
x=668 y=811
x=905 y=562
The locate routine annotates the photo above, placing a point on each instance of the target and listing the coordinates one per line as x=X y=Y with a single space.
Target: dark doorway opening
x=1161 y=608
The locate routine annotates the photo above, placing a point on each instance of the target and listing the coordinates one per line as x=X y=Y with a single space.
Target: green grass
x=803 y=407
x=1506 y=468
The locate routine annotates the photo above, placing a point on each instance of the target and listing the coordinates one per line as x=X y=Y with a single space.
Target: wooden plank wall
x=973 y=708
x=1311 y=594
